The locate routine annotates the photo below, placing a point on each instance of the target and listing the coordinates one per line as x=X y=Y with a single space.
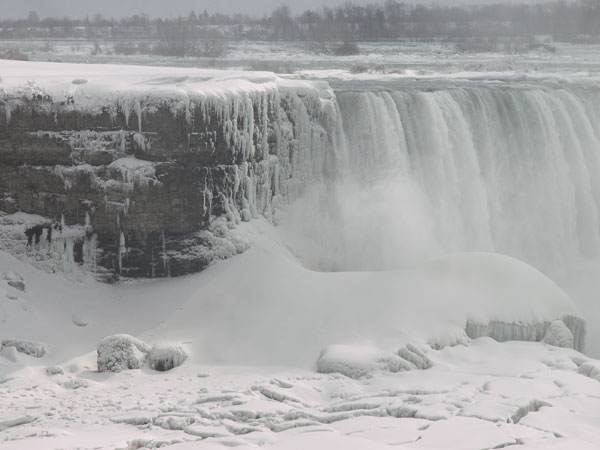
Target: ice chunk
x=358 y=361
x=558 y=335
x=121 y=352
x=9 y=353
x=163 y=358
x=54 y=370
x=30 y=348
x=590 y=369
x=415 y=356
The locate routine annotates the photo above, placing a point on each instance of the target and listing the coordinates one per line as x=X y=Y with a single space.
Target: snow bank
x=263 y=307
x=121 y=352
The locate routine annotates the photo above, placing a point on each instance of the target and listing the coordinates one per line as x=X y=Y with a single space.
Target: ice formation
x=35 y=349
x=558 y=334
x=164 y=357
x=121 y=352
x=362 y=361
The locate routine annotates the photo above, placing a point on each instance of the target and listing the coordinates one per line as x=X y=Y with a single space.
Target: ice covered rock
x=15 y=280
x=35 y=349
x=415 y=356
x=80 y=322
x=163 y=358
x=358 y=361
x=558 y=335
x=121 y=352
x=590 y=369
x=54 y=370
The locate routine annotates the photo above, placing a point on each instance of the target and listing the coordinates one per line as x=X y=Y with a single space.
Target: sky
x=10 y=9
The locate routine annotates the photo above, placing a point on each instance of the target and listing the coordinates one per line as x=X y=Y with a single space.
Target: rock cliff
x=144 y=175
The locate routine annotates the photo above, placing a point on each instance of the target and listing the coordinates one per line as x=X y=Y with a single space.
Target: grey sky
x=163 y=8
x=166 y=8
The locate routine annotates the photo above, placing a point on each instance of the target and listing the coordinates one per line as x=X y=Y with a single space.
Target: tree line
x=391 y=20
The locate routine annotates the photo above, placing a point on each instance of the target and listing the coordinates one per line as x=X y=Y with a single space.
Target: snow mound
x=163 y=358
x=30 y=348
x=502 y=297
x=15 y=280
x=121 y=352
x=558 y=335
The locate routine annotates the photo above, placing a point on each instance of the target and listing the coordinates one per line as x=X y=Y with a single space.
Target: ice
x=163 y=358
x=35 y=349
x=415 y=356
x=559 y=335
x=121 y=352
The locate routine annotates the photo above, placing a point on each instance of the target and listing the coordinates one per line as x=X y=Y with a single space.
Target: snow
x=253 y=327
x=272 y=352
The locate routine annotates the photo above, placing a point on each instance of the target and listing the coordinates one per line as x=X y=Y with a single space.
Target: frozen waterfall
x=503 y=169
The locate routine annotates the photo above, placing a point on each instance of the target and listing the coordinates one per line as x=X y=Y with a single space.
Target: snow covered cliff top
x=61 y=80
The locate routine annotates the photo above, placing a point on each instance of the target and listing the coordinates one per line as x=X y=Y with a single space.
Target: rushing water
x=510 y=170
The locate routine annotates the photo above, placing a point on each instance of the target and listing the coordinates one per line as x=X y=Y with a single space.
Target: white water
x=510 y=170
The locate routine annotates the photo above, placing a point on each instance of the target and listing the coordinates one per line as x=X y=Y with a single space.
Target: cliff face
x=146 y=182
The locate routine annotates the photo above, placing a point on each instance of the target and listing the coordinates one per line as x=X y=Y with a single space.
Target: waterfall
x=504 y=169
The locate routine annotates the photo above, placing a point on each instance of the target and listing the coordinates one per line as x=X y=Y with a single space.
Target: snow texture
x=121 y=352
x=559 y=335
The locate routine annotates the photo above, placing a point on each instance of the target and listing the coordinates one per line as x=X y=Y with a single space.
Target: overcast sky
x=166 y=8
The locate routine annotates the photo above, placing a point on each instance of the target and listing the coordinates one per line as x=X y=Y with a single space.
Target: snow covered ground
x=253 y=327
